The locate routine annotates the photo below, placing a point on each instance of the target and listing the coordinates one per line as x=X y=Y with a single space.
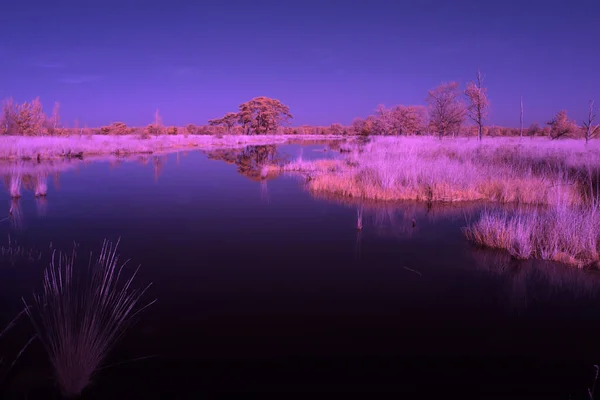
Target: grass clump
x=81 y=313
x=564 y=234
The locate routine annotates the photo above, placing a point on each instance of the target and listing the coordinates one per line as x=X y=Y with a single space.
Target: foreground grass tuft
x=82 y=313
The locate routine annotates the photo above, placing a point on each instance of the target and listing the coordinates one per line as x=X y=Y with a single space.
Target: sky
x=329 y=61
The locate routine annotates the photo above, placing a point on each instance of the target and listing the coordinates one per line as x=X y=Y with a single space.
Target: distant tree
x=116 y=129
x=9 y=117
x=358 y=127
x=534 y=130
x=446 y=111
x=385 y=122
x=30 y=118
x=590 y=128
x=561 y=125
x=263 y=115
x=478 y=104
x=336 y=129
x=156 y=128
x=191 y=129
x=521 y=118
x=229 y=121
x=171 y=130
x=409 y=120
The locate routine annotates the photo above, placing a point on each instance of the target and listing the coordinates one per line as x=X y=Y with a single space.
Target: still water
x=262 y=286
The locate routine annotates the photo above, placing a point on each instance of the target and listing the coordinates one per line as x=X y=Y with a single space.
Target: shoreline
x=14 y=148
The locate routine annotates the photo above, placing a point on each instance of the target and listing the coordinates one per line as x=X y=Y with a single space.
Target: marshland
x=292 y=198
x=277 y=260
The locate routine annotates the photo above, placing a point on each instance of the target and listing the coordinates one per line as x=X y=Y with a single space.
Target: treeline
x=450 y=111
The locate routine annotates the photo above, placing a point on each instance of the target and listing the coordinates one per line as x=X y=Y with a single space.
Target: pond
x=262 y=286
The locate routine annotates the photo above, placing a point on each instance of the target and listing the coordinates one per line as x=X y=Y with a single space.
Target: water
x=263 y=287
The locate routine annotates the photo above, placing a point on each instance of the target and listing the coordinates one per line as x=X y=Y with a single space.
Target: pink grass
x=81 y=314
x=561 y=233
x=537 y=171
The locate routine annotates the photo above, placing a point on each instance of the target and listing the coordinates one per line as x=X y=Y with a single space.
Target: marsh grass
x=560 y=179
x=499 y=170
x=570 y=235
x=82 y=312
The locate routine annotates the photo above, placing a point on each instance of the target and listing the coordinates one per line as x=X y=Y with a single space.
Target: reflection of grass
x=81 y=314
x=15 y=214
x=535 y=280
x=5 y=365
x=13 y=253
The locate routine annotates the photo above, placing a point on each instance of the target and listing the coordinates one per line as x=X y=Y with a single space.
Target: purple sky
x=330 y=61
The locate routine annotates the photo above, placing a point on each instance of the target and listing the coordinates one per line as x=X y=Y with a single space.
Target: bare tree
x=477 y=108
x=156 y=128
x=590 y=129
x=55 y=115
x=521 y=116
x=447 y=112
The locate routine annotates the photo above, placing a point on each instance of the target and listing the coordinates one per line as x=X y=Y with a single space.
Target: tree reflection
x=253 y=162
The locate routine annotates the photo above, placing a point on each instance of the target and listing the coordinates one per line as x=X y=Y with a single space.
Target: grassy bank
x=48 y=148
x=502 y=170
x=561 y=178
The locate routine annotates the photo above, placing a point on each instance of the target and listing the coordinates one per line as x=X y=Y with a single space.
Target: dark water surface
x=263 y=287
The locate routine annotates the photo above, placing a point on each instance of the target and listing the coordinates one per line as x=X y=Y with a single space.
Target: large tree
x=263 y=115
x=446 y=111
x=477 y=108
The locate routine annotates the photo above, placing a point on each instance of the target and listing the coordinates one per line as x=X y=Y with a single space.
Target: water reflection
x=253 y=161
x=527 y=281
x=15 y=214
x=12 y=253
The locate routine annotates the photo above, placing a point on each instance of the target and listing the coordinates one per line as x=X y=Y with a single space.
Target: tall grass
x=501 y=170
x=569 y=235
x=81 y=314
